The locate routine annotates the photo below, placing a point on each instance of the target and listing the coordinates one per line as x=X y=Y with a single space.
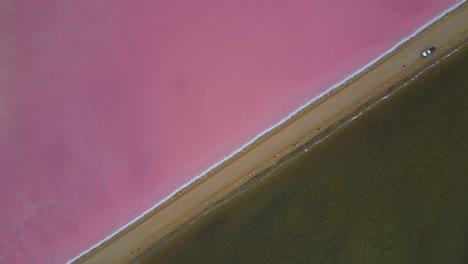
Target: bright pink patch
x=106 y=107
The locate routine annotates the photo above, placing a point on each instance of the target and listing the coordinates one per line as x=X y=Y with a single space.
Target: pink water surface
x=108 y=106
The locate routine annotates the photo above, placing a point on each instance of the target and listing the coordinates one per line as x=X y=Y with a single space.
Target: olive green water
x=391 y=186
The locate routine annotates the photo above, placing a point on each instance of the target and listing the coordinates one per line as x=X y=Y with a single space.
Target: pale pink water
x=106 y=107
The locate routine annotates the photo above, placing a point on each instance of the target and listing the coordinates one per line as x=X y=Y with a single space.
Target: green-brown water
x=389 y=187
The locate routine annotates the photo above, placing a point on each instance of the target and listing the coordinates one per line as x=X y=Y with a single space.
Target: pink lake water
x=107 y=107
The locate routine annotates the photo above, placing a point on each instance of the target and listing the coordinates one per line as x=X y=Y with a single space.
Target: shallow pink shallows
x=107 y=107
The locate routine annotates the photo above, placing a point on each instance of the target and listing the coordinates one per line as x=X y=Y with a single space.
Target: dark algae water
x=391 y=186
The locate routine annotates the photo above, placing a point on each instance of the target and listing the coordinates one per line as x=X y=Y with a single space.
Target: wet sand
x=312 y=122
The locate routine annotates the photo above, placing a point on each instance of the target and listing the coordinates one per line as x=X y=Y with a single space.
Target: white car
x=428 y=52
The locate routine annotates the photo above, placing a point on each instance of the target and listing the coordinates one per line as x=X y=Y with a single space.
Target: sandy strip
x=306 y=126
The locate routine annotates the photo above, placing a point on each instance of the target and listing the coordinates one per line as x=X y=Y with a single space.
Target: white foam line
x=265 y=132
